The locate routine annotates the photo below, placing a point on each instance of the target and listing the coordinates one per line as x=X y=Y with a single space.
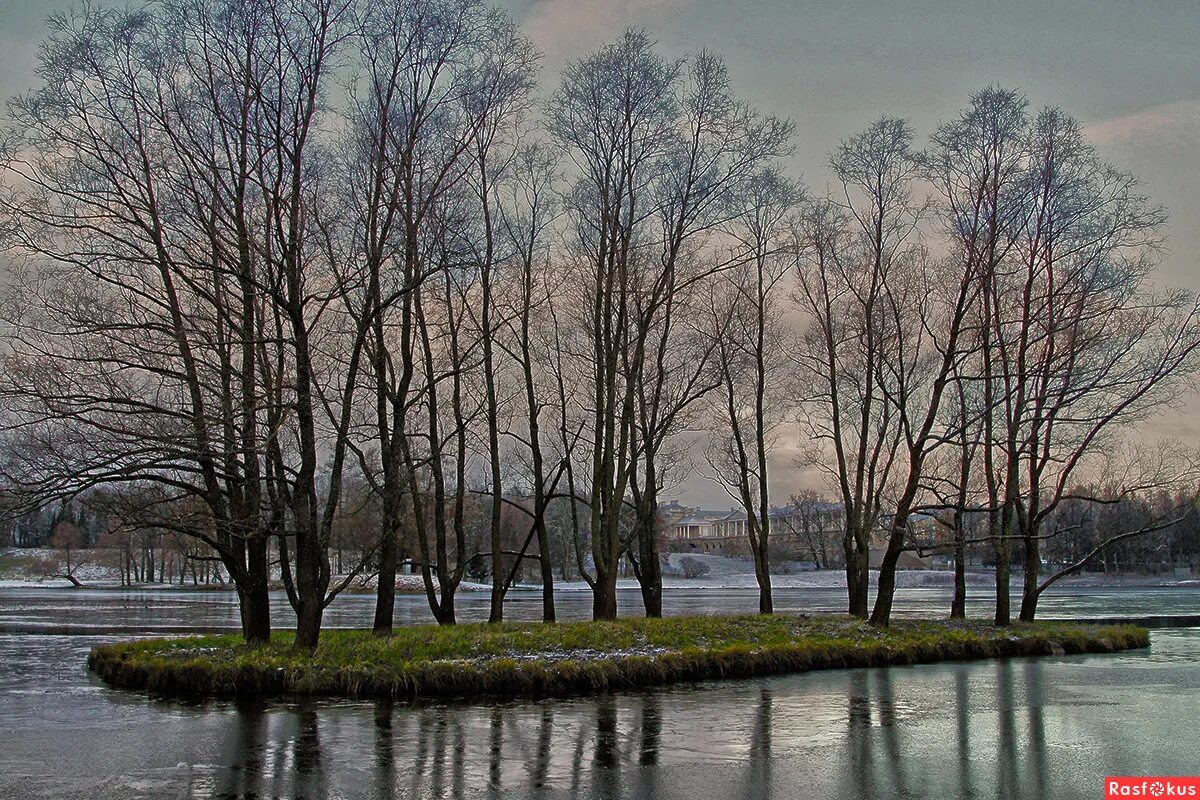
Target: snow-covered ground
x=29 y=566
x=407 y=584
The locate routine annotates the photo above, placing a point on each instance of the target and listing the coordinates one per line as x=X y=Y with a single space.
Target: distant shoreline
x=17 y=571
x=976 y=579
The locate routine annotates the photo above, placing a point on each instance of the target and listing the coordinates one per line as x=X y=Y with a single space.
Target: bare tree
x=922 y=371
x=751 y=361
x=67 y=539
x=1071 y=344
x=856 y=357
x=810 y=520
x=439 y=82
x=1097 y=348
x=498 y=98
x=526 y=220
x=291 y=269
x=976 y=162
x=711 y=171
x=613 y=112
x=179 y=173
x=959 y=490
x=145 y=295
x=663 y=152
x=1118 y=507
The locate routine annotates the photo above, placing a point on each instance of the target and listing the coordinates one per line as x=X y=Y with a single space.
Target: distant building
x=810 y=532
x=698 y=527
x=795 y=532
x=672 y=512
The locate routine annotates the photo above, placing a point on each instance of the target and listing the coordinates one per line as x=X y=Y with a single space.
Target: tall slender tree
x=750 y=358
x=857 y=352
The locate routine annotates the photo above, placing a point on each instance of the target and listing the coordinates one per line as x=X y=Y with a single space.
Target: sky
x=1129 y=70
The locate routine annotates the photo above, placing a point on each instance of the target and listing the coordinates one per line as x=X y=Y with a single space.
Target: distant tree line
x=282 y=264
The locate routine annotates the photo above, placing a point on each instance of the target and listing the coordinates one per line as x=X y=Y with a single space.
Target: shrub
x=693 y=567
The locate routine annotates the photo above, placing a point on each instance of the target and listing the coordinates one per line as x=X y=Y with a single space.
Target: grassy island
x=535 y=659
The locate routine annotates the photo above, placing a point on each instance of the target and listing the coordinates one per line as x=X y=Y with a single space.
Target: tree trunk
x=857 y=574
x=311 y=582
x=385 y=590
x=1030 y=593
x=255 y=595
x=885 y=592
x=285 y=574
x=762 y=574
x=604 y=595
x=649 y=570
x=250 y=581
x=256 y=612
x=546 y=565
x=445 y=611
x=308 y=621
x=1003 y=547
x=958 y=605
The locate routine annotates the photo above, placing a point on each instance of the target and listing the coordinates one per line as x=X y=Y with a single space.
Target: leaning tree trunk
x=762 y=573
x=885 y=592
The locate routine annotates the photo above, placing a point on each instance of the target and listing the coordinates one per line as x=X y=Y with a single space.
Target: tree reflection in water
x=243 y=752
x=962 y=720
x=774 y=737
x=385 y=750
x=758 y=764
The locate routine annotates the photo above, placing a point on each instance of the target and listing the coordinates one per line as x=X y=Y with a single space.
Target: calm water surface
x=1021 y=728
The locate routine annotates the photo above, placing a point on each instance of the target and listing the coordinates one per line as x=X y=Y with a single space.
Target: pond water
x=1051 y=727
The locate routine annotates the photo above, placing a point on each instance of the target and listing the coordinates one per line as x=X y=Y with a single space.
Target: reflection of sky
x=1126 y=69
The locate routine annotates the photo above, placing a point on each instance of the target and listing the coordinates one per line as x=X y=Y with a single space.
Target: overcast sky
x=1128 y=69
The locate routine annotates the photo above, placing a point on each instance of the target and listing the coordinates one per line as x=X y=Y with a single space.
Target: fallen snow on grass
x=582 y=654
x=405 y=584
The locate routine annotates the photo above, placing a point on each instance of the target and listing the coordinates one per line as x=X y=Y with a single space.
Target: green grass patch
x=535 y=659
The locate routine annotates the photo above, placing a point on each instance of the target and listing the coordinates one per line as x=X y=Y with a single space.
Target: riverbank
x=534 y=659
